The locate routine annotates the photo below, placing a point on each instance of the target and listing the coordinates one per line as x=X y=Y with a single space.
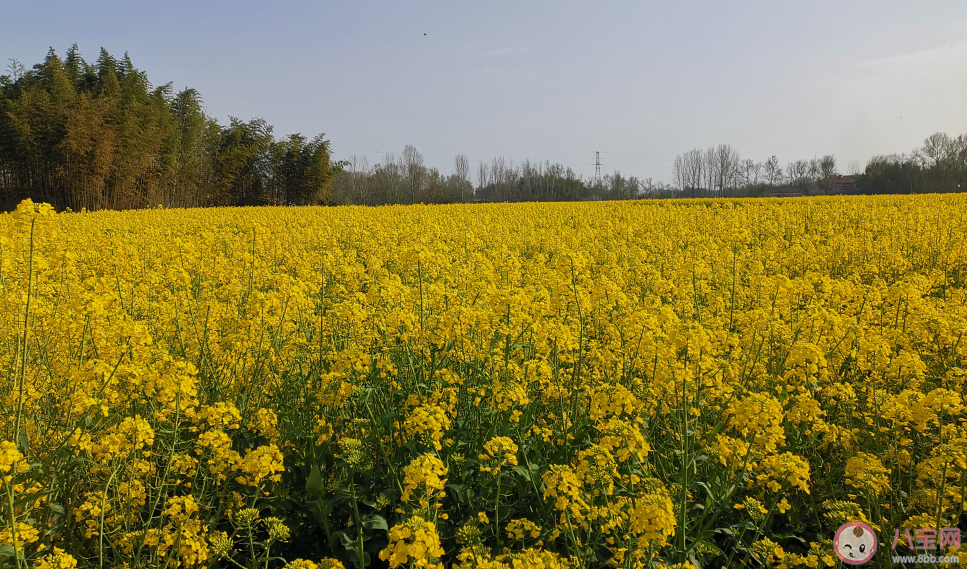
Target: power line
x=624 y=162
x=619 y=152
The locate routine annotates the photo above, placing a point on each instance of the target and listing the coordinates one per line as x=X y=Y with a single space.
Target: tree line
x=721 y=171
x=101 y=136
x=407 y=180
x=718 y=171
x=939 y=166
x=401 y=180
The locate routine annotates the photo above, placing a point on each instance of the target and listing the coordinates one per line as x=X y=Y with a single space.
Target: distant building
x=784 y=192
x=844 y=185
x=478 y=195
x=834 y=187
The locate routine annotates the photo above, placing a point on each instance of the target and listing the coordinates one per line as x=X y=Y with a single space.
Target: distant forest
x=718 y=171
x=101 y=136
x=939 y=166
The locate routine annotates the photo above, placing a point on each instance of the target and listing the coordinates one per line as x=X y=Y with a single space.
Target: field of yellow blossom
x=704 y=383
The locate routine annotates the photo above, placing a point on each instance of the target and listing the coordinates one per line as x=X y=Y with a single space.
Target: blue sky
x=638 y=81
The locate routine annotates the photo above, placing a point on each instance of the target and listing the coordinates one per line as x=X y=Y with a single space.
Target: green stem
x=359 y=522
x=500 y=542
x=100 y=533
x=13 y=516
x=20 y=392
x=251 y=541
x=940 y=495
x=23 y=361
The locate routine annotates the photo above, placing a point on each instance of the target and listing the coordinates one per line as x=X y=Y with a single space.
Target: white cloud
x=505 y=51
x=919 y=59
x=898 y=101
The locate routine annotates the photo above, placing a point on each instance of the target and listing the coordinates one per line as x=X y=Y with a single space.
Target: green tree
x=100 y=135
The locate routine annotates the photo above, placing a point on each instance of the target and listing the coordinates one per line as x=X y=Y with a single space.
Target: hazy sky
x=638 y=81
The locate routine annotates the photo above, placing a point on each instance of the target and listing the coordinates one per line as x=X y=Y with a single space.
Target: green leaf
x=320 y=509
x=31 y=498
x=710 y=546
x=314 y=484
x=375 y=522
x=715 y=430
x=24 y=445
x=458 y=491
x=523 y=472
x=354 y=558
x=388 y=418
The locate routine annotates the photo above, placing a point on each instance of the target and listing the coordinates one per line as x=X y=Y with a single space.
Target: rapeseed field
x=703 y=383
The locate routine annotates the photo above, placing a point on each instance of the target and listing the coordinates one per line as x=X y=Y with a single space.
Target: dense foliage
x=406 y=180
x=101 y=136
x=640 y=384
x=940 y=165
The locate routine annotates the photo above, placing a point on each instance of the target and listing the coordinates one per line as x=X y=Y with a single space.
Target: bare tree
x=691 y=171
x=814 y=169
x=497 y=177
x=388 y=181
x=530 y=179
x=937 y=156
x=357 y=175
x=620 y=188
x=504 y=177
x=854 y=168
x=461 y=170
x=726 y=168
x=751 y=172
x=772 y=171
x=827 y=170
x=709 y=163
x=482 y=174
x=680 y=172
x=798 y=173
x=413 y=170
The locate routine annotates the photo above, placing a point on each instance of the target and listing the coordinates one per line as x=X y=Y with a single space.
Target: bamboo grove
x=101 y=136
x=684 y=384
